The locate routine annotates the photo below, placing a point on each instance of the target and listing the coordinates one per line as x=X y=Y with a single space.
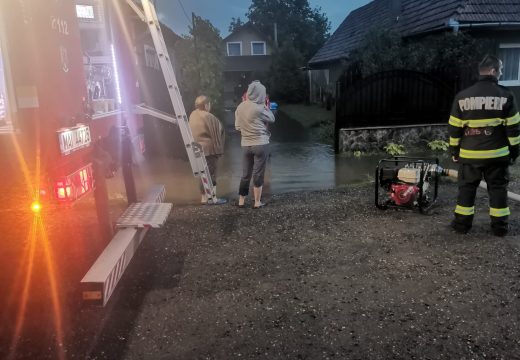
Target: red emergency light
x=75 y=185
x=63 y=190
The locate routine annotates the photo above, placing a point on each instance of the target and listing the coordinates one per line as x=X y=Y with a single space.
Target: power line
x=184 y=11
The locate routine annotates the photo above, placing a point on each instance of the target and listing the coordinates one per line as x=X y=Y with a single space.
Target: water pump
x=407 y=182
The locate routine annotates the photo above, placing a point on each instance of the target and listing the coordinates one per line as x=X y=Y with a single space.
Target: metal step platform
x=141 y=215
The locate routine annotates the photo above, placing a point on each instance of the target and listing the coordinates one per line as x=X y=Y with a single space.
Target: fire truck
x=71 y=73
x=67 y=83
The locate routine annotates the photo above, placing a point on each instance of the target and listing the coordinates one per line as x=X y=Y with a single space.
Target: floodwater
x=296 y=164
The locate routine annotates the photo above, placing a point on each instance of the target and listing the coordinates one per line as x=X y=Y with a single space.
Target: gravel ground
x=313 y=275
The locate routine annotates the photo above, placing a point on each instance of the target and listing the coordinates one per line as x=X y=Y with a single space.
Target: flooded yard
x=297 y=163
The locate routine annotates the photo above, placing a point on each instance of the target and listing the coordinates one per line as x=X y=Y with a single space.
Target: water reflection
x=296 y=164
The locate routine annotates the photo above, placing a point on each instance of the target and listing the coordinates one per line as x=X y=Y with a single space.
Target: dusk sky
x=220 y=12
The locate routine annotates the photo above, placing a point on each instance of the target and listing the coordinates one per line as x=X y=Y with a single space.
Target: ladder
x=194 y=150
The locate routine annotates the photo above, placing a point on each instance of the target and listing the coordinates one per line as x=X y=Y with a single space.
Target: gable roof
x=352 y=30
x=413 y=17
x=419 y=16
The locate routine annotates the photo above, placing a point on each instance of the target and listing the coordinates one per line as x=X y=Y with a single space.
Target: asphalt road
x=313 y=275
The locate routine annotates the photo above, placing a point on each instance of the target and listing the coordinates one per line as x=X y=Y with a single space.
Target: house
x=248 y=56
x=488 y=19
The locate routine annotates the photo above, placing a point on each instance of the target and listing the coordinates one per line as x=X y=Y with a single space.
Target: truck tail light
x=75 y=185
x=63 y=190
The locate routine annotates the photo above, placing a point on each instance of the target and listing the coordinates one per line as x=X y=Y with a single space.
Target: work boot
x=460 y=228
x=499 y=230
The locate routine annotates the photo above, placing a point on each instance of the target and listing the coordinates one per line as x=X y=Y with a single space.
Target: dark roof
x=419 y=16
x=490 y=11
x=413 y=18
x=170 y=37
x=352 y=30
x=423 y=16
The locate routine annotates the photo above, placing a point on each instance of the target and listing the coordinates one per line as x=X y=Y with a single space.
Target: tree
x=236 y=23
x=383 y=50
x=201 y=61
x=286 y=81
x=301 y=32
x=296 y=22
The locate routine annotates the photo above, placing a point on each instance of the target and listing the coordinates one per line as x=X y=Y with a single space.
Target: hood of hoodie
x=256 y=92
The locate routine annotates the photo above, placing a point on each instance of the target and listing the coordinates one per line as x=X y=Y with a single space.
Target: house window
x=257 y=47
x=510 y=56
x=234 y=48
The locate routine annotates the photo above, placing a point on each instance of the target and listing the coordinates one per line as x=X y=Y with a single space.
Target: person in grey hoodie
x=252 y=117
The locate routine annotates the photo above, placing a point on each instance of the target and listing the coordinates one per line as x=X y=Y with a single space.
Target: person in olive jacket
x=209 y=133
x=484 y=140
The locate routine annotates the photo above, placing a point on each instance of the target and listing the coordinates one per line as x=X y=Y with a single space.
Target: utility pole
x=193 y=23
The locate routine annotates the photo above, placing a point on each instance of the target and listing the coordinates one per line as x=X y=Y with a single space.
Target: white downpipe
x=454 y=174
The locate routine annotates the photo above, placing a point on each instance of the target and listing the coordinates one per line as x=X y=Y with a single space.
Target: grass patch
x=314 y=118
x=309 y=115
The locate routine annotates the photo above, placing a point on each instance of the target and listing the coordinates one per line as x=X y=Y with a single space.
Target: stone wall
x=374 y=139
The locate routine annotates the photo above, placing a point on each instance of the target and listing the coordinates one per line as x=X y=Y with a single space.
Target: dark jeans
x=211 y=160
x=254 y=162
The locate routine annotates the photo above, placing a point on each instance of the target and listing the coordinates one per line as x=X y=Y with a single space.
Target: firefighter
x=484 y=140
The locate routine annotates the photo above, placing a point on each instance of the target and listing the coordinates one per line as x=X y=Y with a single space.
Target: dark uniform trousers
x=497 y=178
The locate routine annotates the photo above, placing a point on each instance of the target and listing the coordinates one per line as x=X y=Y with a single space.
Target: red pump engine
x=407 y=182
x=404 y=195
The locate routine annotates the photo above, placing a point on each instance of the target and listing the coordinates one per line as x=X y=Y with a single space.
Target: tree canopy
x=236 y=23
x=201 y=61
x=306 y=28
x=286 y=81
x=383 y=50
x=301 y=32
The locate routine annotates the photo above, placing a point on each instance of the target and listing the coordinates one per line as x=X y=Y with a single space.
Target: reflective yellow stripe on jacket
x=513 y=120
x=499 y=212
x=478 y=123
x=456 y=121
x=485 y=122
x=462 y=210
x=484 y=154
x=514 y=140
x=454 y=141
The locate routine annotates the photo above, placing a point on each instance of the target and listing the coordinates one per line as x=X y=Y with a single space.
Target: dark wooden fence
x=395 y=97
